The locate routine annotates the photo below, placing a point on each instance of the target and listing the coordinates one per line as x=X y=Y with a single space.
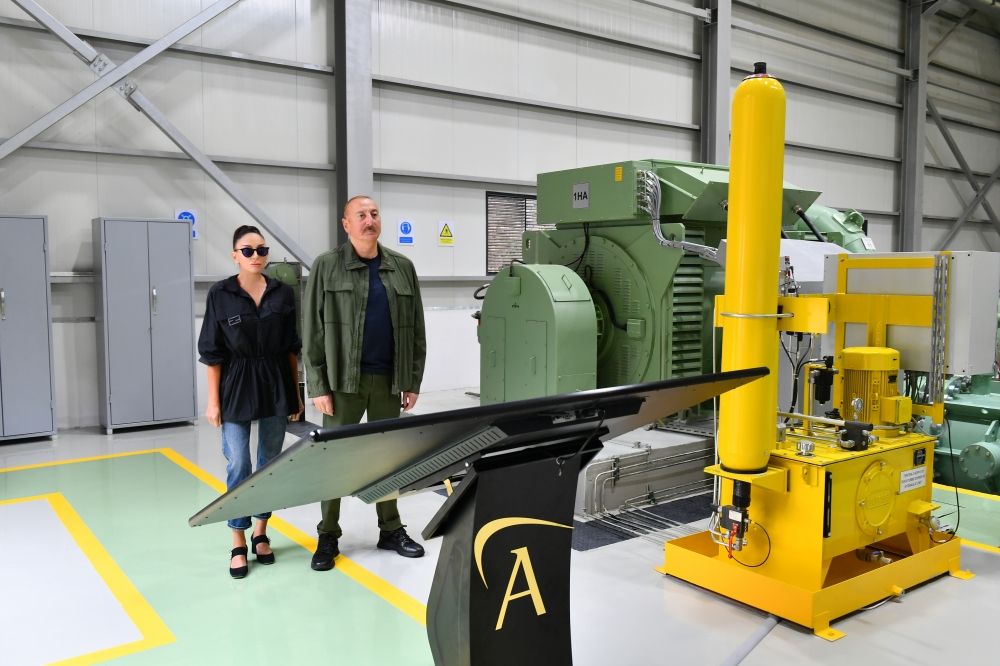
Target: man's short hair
x=352 y=200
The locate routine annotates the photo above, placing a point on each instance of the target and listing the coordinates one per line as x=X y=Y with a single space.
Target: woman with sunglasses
x=249 y=343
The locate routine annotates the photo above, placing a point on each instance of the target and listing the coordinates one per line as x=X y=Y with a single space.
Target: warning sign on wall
x=446 y=233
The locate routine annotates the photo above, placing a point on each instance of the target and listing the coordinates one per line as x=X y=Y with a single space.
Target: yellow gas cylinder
x=747 y=415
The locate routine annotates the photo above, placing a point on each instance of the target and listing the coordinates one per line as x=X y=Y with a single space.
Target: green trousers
x=373 y=397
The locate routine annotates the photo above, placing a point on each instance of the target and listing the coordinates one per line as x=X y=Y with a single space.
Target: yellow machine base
x=697 y=559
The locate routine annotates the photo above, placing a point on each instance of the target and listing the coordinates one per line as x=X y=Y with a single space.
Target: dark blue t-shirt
x=377 y=344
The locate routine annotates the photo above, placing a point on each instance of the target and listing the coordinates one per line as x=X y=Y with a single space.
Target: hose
x=746 y=647
x=812 y=227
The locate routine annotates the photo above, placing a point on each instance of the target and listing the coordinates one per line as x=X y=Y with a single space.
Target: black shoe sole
x=401 y=553
x=322 y=566
x=239 y=572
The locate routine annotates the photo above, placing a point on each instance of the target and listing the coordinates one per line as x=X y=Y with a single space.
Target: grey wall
x=468 y=96
x=255 y=93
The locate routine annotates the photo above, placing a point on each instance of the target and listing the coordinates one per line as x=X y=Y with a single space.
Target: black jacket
x=252 y=346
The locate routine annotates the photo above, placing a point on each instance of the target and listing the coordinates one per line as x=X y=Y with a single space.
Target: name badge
x=234 y=320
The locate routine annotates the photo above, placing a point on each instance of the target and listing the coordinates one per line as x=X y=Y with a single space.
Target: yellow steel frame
x=879 y=311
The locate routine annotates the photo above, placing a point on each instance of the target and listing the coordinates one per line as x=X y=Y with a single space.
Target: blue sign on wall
x=405 y=232
x=192 y=217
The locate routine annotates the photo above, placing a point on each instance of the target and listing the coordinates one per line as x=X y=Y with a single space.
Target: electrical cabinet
x=145 y=322
x=27 y=401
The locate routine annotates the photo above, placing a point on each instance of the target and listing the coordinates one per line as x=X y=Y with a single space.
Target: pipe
x=836 y=422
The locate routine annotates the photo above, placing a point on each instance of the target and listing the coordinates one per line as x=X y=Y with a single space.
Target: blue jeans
x=236 y=448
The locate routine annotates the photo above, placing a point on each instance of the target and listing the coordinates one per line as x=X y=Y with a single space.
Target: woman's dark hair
x=242 y=231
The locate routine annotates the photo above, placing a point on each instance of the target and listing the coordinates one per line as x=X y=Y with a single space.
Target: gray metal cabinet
x=27 y=401
x=145 y=321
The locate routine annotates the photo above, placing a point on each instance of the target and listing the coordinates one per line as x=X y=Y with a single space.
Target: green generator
x=967 y=453
x=620 y=289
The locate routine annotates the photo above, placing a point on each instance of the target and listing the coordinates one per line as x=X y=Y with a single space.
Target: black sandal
x=262 y=559
x=238 y=572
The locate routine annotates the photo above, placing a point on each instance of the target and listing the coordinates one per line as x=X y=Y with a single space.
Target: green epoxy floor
x=980 y=519
x=137 y=507
x=623 y=612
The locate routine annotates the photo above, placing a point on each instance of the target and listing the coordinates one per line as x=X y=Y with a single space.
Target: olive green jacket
x=336 y=297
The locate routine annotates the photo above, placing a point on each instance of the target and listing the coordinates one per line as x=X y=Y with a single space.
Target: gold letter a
x=522 y=561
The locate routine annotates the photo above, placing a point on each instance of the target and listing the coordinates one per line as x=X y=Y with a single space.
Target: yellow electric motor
x=871 y=391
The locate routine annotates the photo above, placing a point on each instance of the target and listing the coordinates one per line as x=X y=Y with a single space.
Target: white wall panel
x=146 y=19
x=77 y=13
x=946 y=194
x=415 y=40
x=259 y=27
x=314 y=32
x=62 y=186
x=599 y=142
x=664 y=88
x=975 y=102
x=547 y=66
x=816 y=68
x=485 y=139
x=557 y=11
x=606 y=17
x=315 y=118
x=546 y=141
x=602 y=80
x=250 y=111
x=293 y=198
x=943 y=192
x=74 y=356
x=37 y=74
x=174 y=83
x=452 y=351
x=845 y=183
x=427 y=203
x=879 y=22
x=664 y=29
x=415 y=130
x=970 y=237
x=454 y=47
x=317 y=210
x=980 y=148
x=882 y=230
x=966 y=50
x=835 y=121
x=485 y=52
x=662 y=143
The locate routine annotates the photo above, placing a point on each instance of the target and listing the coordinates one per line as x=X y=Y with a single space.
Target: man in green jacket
x=364 y=352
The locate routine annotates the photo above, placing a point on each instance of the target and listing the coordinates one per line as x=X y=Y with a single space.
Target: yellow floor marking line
x=971 y=493
x=371 y=582
x=73 y=461
x=154 y=631
x=981 y=546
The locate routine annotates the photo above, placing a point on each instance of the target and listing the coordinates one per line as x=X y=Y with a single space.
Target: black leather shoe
x=238 y=572
x=326 y=551
x=400 y=541
x=256 y=541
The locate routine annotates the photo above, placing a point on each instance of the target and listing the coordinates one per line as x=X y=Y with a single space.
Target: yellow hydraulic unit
x=833 y=513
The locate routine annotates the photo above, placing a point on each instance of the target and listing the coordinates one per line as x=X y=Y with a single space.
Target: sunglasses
x=261 y=251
